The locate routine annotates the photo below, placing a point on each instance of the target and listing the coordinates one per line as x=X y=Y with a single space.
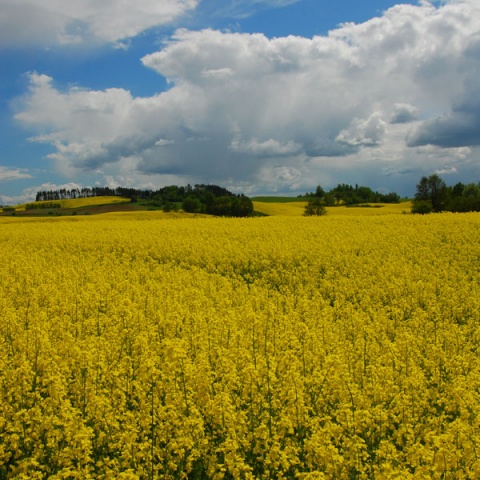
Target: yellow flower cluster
x=337 y=347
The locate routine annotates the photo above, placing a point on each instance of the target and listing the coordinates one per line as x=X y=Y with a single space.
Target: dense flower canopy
x=328 y=347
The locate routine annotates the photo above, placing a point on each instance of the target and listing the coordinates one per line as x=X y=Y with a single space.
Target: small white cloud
x=364 y=132
x=163 y=141
x=241 y=9
x=279 y=178
x=446 y=171
x=8 y=173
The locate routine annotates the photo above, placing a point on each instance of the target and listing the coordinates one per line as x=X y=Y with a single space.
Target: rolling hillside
x=271 y=206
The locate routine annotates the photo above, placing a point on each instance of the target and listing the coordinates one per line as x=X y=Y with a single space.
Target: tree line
x=86 y=192
x=351 y=195
x=343 y=194
x=433 y=195
x=211 y=199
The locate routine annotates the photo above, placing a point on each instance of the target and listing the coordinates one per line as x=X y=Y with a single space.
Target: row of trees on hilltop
x=211 y=199
x=350 y=195
x=86 y=192
x=433 y=195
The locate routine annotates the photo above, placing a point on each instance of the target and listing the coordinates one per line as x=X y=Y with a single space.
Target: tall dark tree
x=431 y=195
x=191 y=205
x=315 y=207
x=319 y=192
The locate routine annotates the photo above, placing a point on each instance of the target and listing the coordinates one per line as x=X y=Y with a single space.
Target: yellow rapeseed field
x=76 y=202
x=90 y=201
x=291 y=209
x=297 y=209
x=338 y=347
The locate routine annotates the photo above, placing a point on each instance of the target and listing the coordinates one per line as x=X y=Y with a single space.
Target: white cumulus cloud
x=240 y=105
x=31 y=22
x=368 y=132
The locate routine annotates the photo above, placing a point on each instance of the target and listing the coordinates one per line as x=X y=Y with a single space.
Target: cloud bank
x=51 y=22
x=389 y=97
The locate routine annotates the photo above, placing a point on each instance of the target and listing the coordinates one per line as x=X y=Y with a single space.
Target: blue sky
x=259 y=96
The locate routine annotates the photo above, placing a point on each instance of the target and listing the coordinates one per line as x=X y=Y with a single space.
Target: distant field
x=87 y=202
x=78 y=202
x=272 y=206
x=90 y=205
x=290 y=209
x=296 y=208
x=373 y=209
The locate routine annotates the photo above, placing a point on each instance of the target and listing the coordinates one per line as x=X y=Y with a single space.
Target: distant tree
x=242 y=206
x=350 y=195
x=464 y=198
x=390 y=198
x=221 y=206
x=432 y=192
x=191 y=205
x=319 y=192
x=329 y=199
x=230 y=206
x=457 y=190
x=315 y=207
x=471 y=190
x=421 y=206
x=209 y=200
x=423 y=192
x=438 y=192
